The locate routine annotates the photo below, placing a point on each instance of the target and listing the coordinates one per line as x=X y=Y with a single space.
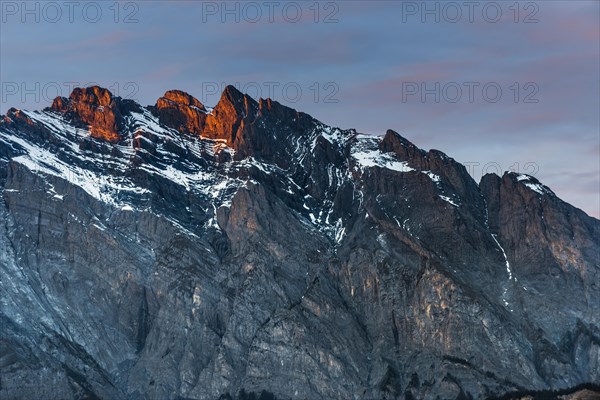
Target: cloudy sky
x=497 y=86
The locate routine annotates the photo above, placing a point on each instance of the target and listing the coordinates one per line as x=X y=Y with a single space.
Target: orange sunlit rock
x=105 y=134
x=181 y=111
x=95 y=107
x=226 y=119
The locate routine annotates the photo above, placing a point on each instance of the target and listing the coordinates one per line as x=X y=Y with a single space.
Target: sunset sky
x=358 y=64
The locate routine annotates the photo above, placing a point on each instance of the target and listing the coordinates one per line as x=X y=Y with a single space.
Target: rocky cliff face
x=96 y=108
x=181 y=252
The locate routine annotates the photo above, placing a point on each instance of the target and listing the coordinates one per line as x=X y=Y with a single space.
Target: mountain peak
x=231 y=98
x=228 y=115
x=181 y=111
x=181 y=97
x=232 y=94
x=527 y=181
x=396 y=143
x=94 y=107
x=92 y=95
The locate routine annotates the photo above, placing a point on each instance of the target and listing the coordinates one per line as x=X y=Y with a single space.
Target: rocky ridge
x=187 y=252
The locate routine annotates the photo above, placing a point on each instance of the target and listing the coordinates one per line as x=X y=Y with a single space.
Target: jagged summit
x=181 y=111
x=93 y=106
x=98 y=109
x=266 y=131
x=233 y=96
x=178 y=250
x=181 y=97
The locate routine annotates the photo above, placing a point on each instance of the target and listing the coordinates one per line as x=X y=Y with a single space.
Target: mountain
x=179 y=251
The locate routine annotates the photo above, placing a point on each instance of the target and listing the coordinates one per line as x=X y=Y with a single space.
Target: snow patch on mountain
x=106 y=177
x=367 y=154
x=432 y=176
x=527 y=181
x=375 y=158
x=448 y=200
